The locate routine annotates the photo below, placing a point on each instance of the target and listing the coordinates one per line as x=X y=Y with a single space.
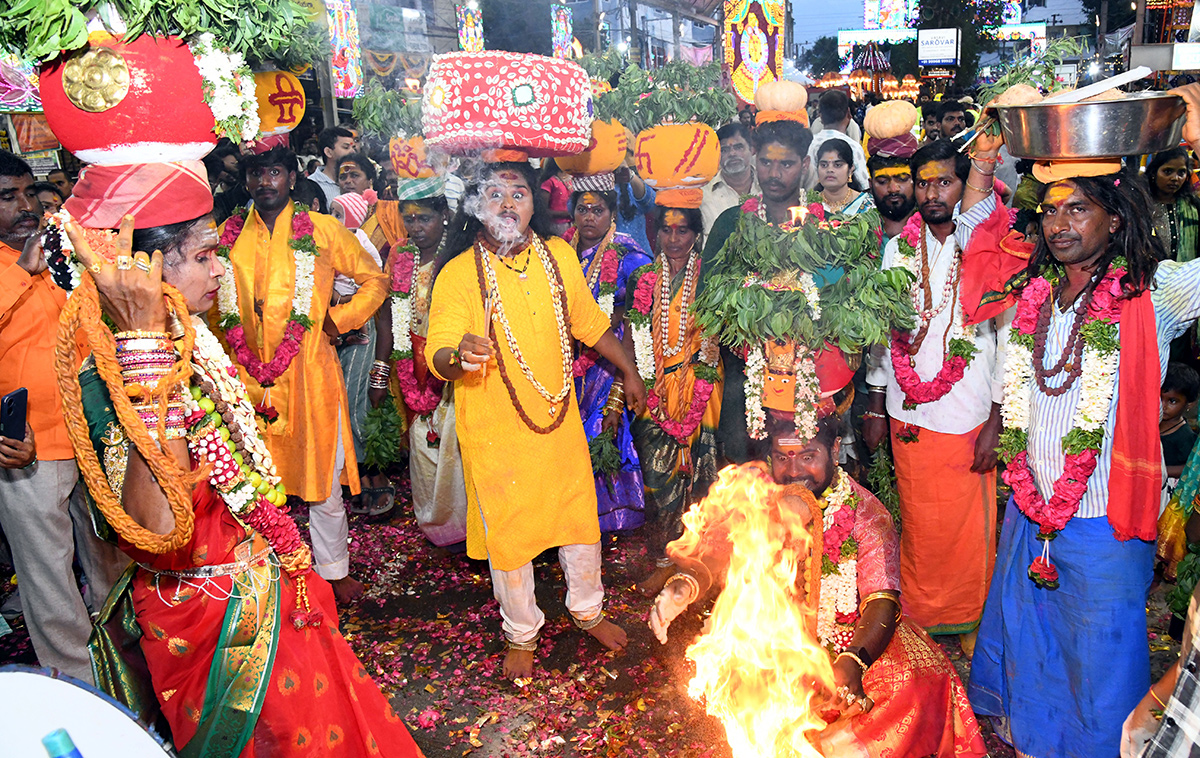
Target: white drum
x=35 y=702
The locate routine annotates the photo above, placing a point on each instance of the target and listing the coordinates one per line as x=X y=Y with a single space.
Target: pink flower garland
x=1053 y=515
x=298 y=323
x=836 y=535
x=682 y=431
x=915 y=390
x=420 y=399
x=402 y=270
x=643 y=294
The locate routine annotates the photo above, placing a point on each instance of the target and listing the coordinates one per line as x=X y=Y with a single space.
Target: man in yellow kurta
x=525 y=455
x=308 y=439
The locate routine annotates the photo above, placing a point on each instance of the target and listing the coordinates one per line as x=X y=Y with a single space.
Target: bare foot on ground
x=610 y=635
x=347 y=590
x=518 y=664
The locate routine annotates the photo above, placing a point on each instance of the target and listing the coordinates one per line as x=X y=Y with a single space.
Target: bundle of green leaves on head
x=799 y=288
x=1028 y=80
x=676 y=93
x=262 y=31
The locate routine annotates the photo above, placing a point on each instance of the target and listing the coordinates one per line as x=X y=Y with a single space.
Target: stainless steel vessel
x=1141 y=122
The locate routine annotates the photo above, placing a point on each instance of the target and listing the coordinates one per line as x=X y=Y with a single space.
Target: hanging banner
x=752 y=43
x=346 y=62
x=470 y=29
x=561 y=30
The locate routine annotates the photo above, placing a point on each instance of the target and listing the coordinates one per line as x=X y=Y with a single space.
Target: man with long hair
x=1062 y=654
x=506 y=306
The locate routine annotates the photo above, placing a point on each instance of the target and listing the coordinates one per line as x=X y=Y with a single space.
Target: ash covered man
x=886 y=672
x=941 y=387
x=506 y=307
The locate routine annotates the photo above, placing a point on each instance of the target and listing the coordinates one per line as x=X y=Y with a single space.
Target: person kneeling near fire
x=885 y=670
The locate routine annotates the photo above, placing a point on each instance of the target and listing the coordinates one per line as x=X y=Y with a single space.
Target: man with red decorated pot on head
x=220 y=623
x=942 y=385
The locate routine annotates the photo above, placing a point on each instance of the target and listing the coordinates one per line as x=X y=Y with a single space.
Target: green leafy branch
x=384 y=113
x=677 y=92
x=1036 y=70
x=263 y=31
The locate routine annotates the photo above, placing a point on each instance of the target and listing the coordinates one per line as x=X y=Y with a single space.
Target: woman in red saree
x=239 y=637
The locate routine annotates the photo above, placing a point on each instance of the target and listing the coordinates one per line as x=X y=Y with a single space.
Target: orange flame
x=798 y=214
x=760 y=667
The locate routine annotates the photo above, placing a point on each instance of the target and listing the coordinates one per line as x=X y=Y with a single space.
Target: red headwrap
x=893 y=147
x=155 y=194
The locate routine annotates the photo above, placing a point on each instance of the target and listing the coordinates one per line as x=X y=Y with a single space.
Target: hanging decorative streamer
x=346 y=62
x=752 y=43
x=470 y=29
x=18 y=85
x=562 y=30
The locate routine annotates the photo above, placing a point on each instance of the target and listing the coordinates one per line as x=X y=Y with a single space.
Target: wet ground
x=428 y=630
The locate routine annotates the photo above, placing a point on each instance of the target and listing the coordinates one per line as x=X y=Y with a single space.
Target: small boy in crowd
x=1179 y=390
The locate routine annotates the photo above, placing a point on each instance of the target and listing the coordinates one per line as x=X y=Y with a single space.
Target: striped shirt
x=1176 y=299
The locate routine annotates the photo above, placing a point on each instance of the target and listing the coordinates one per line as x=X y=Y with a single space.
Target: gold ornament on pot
x=97 y=80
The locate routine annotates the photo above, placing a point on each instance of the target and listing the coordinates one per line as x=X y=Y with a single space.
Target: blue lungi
x=1066 y=666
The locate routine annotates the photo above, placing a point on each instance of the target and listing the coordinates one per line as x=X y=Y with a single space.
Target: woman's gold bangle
x=881 y=595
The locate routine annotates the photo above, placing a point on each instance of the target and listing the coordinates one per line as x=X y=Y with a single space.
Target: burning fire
x=760 y=667
x=798 y=214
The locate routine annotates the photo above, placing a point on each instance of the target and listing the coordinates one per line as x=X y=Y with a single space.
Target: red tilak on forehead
x=509 y=176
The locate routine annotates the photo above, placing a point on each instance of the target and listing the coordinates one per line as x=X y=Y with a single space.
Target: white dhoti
x=518 y=606
x=438 y=490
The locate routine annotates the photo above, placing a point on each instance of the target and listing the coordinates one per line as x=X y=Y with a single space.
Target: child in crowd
x=1179 y=390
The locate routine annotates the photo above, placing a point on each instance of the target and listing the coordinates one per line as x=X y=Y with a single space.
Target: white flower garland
x=228 y=87
x=1097 y=382
x=812 y=295
x=1018 y=386
x=59 y=222
x=808 y=391
x=839 y=591
x=756 y=416
x=402 y=312
x=211 y=362
x=607 y=303
x=958 y=320
x=643 y=351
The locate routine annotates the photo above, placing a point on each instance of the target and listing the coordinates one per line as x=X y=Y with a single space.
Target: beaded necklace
x=685 y=304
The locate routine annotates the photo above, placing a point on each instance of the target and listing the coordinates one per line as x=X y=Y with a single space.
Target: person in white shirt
x=945 y=418
x=334 y=143
x=834 y=108
x=736 y=177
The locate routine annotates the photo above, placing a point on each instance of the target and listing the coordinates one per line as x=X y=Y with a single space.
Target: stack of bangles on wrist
x=145 y=359
x=381 y=372
x=989 y=170
x=689 y=580
x=616 y=399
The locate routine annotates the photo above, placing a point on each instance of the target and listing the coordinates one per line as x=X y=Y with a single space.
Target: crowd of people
x=237 y=343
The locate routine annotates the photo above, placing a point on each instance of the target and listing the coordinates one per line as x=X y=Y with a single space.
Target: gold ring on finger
x=124 y=263
x=95 y=267
x=142 y=263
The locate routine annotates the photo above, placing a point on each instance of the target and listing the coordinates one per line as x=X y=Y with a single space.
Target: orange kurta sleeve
x=349 y=258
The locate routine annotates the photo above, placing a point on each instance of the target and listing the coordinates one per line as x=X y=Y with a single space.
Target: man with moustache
x=891 y=183
x=944 y=434
x=308 y=428
x=952 y=119
x=736 y=177
x=1062 y=655
x=42 y=511
x=781 y=161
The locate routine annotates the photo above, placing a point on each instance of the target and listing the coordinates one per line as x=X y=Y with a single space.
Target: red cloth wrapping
x=893 y=147
x=995 y=255
x=155 y=194
x=1135 y=481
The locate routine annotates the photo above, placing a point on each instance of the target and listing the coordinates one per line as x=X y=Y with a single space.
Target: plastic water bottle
x=58 y=744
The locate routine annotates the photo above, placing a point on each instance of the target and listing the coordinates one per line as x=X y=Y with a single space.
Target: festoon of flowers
x=837 y=611
x=912 y=255
x=228 y=86
x=603 y=273
x=304 y=255
x=223 y=437
x=650 y=306
x=420 y=398
x=1082 y=442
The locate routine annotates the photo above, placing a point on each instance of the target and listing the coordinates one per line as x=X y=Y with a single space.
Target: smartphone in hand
x=12 y=414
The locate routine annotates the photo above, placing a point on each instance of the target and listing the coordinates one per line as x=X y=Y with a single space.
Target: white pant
x=329 y=526
x=47 y=523
x=518 y=606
